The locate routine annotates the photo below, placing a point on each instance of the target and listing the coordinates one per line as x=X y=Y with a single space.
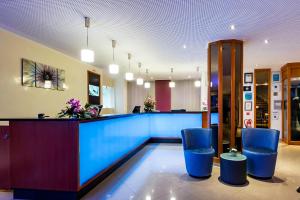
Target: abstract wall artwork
x=61 y=79
x=28 y=73
x=42 y=76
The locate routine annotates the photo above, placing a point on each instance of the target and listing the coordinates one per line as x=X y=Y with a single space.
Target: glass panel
x=108 y=97
x=262 y=98
x=238 y=94
x=214 y=83
x=214 y=80
x=295 y=109
x=285 y=108
x=226 y=58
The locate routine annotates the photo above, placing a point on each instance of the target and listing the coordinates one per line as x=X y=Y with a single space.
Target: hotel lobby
x=149 y=100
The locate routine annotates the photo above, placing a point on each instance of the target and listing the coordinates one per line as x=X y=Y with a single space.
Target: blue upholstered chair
x=198 y=152
x=260 y=146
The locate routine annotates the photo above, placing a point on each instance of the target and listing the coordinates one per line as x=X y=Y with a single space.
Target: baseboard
x=44 y=194
x=165 y=140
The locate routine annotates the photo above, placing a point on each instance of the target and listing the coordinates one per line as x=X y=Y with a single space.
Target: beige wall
x=19 y=101
x=186 y=96
x=136 y=95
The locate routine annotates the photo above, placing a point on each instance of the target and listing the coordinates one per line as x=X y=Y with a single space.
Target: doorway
x=262 y=94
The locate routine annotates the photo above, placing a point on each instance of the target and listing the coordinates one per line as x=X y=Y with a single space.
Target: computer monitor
x=136 y=109
x=99 y=110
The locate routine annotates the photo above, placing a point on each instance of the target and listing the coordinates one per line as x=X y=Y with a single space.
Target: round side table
x=233 y=168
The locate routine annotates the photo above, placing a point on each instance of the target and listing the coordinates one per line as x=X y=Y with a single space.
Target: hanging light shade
x=171 y=83
x=87 y=55
x=197 y=83
x=113 y=68
x=147 y=85
x=129 y=74
x=140 y=80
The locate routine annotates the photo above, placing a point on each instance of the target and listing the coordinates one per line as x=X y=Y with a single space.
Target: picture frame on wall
x=248 y=78
x=276 y=77
x=248 y=106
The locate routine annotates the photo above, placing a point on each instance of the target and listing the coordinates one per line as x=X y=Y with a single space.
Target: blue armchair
x=198 y=152
x=260 y=146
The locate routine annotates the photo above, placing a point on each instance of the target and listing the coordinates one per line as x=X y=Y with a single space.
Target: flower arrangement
x=74 y=110
x=149 y=104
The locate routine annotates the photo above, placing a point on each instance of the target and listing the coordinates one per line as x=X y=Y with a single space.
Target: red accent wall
x=162 y=95
x=4 y=158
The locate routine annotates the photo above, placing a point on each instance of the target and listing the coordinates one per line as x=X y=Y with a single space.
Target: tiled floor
x=158 y=173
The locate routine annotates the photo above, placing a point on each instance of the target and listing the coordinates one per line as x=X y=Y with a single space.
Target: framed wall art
x=248 y=77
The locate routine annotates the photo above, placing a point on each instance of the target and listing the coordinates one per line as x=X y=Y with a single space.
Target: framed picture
x=46 y=76
x=248 y=77
x=248 y=105
x=248 y=96
x=61 y=79
x=247 y=88
x=28 y=73
x=276 y=77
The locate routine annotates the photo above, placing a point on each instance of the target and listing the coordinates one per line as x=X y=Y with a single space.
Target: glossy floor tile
x=157 y=172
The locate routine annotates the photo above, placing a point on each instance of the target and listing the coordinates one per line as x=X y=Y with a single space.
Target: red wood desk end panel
x=44 y=155
x=4 y=158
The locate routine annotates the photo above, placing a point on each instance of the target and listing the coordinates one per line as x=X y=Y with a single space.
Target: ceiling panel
x=154 y=31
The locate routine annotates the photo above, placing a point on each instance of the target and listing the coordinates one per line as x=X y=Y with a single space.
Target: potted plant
x=75 y=111
x=149 y=104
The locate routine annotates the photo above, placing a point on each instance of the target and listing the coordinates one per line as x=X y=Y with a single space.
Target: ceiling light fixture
x=232 y=27
x=197 y=83
x=147 y=84
x=184 y=46
x=113 y=68
x=87 y=55
x=140 y=80
x=266 y=41
x=171 y=83
x=129 y=74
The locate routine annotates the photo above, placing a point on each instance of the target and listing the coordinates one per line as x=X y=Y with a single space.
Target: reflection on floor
x=158 y=172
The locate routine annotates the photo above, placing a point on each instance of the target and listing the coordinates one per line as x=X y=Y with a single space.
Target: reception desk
x=64 y=159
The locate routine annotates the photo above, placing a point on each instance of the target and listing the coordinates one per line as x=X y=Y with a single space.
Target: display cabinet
x=290 y=80
x=225 y=69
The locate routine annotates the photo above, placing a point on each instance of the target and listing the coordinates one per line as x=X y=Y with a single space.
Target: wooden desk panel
x=46 y=159
x=4 y=158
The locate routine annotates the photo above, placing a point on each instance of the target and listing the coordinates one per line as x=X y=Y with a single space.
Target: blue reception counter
x=102 y=143
x=54 y=157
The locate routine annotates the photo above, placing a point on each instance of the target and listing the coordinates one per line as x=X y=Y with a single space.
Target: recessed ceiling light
x=184 y=46
x=232 y=27
x=266 y=41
